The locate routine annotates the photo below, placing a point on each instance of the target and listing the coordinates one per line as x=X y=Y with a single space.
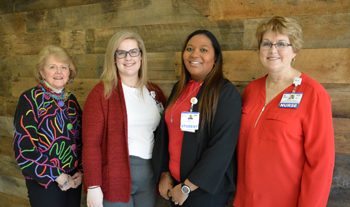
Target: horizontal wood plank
x=232 y=9
x=6 y=126
x=13 y=201
x=110 y=13
x=13 y=186
x=6 y=148
x=316 y=32
x=327 y=65
x=9 y=167
x=171 y=37
x=31 y=44
x=12 y=24
x=342 y=135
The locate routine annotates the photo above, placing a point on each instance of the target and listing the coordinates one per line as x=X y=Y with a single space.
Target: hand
x=77 y=178
x=165 y=185
x=65 y=182
x=177 y=196
x=94 y=197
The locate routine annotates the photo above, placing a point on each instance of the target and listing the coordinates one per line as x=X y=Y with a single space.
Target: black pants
x=53 y=196
x=204 y=200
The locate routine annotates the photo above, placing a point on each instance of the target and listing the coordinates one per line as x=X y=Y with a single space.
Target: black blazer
x=210 y=163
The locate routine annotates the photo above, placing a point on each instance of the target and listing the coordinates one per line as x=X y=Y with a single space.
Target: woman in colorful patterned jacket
x=121 y=114
x=47 y=138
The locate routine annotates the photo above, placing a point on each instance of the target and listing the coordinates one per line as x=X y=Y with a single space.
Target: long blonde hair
x=110 y=71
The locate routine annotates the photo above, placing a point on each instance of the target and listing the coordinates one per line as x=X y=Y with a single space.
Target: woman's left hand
x=177 y=196
x=77 y=178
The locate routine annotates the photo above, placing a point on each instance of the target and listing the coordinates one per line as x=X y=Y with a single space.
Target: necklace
x=48 y=92
x=174 y=108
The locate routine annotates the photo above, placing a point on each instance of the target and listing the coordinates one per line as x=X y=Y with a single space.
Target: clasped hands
x=167 y=189
x=65 y=181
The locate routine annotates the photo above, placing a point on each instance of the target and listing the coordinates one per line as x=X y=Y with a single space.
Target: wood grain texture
x=342 y=135
x=171 y=37
x=9 y=167
x=232 y=9
x=6 y=126
x=113 y=14
x=323 y=65
x=13 y=186
x=12 y=24
x=31 y=44
x=316 y=31
x=13 y=201
x=6 y=148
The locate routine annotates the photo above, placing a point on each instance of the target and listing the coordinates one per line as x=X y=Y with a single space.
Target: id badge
x=189 y=121
x=160 y=107
x=290 y=100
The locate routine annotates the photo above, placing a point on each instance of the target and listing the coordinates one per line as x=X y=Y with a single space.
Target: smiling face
x=199 y=57
x=276 y=60
x=55 y=72
x=128 y=66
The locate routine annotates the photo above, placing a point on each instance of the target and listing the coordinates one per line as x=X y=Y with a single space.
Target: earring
x=42 y=80
x=70 y=81
x=293 y=59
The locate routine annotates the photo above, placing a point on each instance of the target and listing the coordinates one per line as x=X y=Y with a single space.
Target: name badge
x=189 y=121
x=290 y=100
x=160 y=107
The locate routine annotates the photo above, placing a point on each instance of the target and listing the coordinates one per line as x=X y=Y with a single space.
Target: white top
x=143 y=118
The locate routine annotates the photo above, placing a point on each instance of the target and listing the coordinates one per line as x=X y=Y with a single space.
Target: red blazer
x=105 y=138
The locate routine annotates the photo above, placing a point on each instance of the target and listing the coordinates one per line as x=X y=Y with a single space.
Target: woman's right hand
x=94 y=197
x=165 y=185
x=64 y=181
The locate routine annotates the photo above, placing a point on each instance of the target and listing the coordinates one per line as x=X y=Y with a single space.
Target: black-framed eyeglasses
x=122 y=54
x=278 y=45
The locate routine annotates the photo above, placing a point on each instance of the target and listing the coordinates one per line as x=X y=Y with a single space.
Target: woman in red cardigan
x=120 y=115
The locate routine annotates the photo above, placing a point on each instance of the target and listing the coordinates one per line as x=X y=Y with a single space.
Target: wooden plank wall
x=85 y=26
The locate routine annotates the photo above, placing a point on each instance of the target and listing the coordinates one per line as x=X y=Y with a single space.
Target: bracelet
x=93 y=187
x=65 y=183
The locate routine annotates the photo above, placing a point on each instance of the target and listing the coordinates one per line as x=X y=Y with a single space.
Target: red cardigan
x=105 y=137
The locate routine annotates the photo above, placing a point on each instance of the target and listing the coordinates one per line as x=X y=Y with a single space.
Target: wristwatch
x=185 y=189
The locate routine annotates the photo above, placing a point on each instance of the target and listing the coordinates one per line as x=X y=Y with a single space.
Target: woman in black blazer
x=194 y=151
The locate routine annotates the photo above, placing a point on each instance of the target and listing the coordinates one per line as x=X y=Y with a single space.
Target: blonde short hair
x=110 y=70
x=61 y=55
x=282 y=25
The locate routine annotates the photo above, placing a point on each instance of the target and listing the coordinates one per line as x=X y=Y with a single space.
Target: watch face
x=185 y=189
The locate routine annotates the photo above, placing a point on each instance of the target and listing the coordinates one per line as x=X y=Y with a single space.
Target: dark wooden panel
x=340 y=192
x=340 y=95
x=231 y=9
x=316 y=31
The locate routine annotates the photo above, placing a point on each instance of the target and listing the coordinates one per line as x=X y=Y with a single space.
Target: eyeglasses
x=278 y=46
x=122 y=54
